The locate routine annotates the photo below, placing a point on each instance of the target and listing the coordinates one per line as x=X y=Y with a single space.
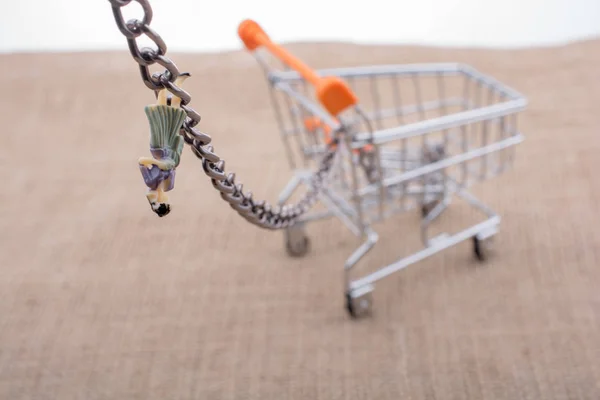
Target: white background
x=199 y=25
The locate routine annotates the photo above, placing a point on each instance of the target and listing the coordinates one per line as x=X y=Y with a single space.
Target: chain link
x=258 y=213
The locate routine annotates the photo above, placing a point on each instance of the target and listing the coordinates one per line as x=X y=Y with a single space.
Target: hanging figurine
x=166 y=145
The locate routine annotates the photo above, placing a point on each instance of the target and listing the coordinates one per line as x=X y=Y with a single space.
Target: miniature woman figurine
x=166 y=145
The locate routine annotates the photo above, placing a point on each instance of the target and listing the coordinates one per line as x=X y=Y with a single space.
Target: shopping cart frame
x=358 y=291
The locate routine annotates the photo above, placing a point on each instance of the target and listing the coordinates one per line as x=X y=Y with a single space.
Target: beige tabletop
x=100 y=299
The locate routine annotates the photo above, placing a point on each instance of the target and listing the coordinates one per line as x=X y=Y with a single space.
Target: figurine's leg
x=163 y=93
x=162 y=97
x=176 y=101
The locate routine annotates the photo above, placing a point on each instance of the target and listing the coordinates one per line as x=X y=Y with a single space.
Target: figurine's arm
x=149 y=161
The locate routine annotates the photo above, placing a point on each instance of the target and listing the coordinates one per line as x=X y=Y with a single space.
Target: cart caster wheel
x=297 y=242
x=298 y=248
x=359 y=304
x=482 y=248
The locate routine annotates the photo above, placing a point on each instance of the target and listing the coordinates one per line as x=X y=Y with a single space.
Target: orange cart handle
x=333 y=93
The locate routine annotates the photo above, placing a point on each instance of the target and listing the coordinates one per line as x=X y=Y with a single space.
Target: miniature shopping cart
x=410 y=137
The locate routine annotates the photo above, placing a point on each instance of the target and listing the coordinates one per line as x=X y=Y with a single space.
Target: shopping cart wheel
x=359 y=302
x=297 y=242
x=482 y=247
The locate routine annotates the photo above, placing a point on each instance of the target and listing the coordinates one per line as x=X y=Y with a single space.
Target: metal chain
x=258 y=213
